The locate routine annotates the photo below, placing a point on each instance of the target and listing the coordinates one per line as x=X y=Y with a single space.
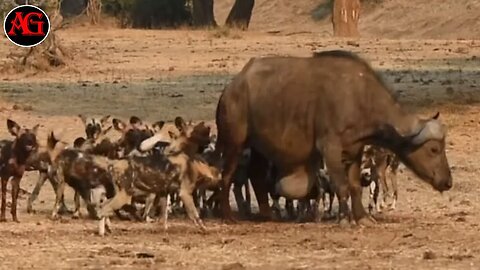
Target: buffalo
x=294 y=111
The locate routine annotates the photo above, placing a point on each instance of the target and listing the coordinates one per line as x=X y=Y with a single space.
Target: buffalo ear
x=13 y=127
x=436 y=116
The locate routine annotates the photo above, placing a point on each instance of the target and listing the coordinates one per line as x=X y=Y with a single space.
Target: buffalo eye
x=434 y=150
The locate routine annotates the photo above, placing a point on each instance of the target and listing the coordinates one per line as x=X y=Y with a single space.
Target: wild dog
x=134 y=133
x=13 y=158
x=40 y=161
x=376 y=164
x=180 y=168
x=95 y=142
x=193 y=141
x=153 y=176
x=94 y=127
x=77 y=169
x=188 y=139
x=325 y=187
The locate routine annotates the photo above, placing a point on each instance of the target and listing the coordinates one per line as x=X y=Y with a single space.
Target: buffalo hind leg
x=336 y=170
x=257 y=173
x=232 y=156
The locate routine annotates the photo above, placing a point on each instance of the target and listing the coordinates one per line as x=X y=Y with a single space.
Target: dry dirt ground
x=158 y=75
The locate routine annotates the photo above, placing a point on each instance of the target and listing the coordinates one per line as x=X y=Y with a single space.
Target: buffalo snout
x=444 y=184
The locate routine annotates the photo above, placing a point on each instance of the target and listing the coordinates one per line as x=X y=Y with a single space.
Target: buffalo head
x=424 y=153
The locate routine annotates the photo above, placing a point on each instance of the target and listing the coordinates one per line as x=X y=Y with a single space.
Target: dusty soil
x=158 y=75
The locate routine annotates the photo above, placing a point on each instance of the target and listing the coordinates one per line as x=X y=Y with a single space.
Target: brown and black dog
x=13 y=158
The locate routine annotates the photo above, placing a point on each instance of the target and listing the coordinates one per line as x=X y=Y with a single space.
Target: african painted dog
x=154 y=176
x=95 y=142
x=376 y=164
x=77 y=169
x=13 y=159
x=40 y=161
x=180 y=168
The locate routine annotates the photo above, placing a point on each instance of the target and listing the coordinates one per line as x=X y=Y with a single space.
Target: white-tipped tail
x=149 y=143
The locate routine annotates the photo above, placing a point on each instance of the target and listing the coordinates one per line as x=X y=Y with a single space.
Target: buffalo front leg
x=358 y=211
x=3 y=218
x=257 y=172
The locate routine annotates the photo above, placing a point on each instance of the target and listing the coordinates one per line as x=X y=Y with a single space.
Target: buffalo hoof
x=16 y=220
x=367 y=222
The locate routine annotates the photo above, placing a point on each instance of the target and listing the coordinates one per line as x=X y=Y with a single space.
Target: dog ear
x=13 y=127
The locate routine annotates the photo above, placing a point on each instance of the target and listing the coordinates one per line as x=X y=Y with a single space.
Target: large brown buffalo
x=293 y=110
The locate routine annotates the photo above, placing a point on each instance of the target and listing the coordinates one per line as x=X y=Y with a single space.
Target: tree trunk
x=240 y=14
x=94 y=9
x=345 y=18
x=203 y=13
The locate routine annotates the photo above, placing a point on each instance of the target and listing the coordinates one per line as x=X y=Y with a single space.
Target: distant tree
x=345 y=18
x=240 y=14
x=202 y=13
x=94 y=10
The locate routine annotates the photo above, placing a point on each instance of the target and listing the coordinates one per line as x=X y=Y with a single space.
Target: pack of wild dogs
x=328 y=129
